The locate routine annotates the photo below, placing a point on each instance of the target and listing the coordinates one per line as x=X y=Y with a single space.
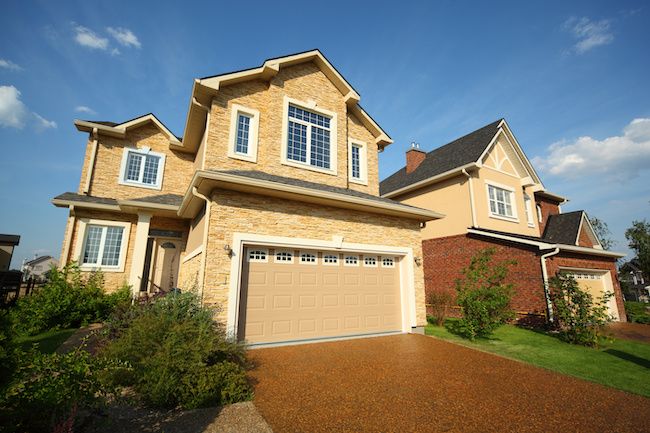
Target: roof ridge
x=466 y=135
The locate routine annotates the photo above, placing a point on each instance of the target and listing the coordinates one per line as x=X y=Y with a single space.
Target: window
x=351 y=260
x=358 y=162
x=501 y=202
x=102 y=246
x=370 y=261
x=331 y=259
x=308 y=258
x=310 y=137
x=257 y=255
x=244 y=125
x=142 y=167
x=388 y=262
x=529 y=210
x=284 y=257
x=539 y=213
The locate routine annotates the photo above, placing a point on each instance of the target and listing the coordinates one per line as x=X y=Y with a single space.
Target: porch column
x=139 y=251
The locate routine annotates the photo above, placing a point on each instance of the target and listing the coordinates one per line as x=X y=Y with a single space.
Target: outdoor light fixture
x=228 y=250
x=417 y=260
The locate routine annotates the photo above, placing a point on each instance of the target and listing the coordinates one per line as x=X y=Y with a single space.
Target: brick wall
x=584 y=240
x=548 y=208
x=554 y=264
x=444 y=258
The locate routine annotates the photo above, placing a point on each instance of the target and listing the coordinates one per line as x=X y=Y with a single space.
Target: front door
x=164 y=273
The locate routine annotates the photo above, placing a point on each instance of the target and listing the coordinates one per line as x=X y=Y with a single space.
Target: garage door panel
x=290 y=300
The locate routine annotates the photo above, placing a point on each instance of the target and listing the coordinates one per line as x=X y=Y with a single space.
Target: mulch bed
x=416 y=383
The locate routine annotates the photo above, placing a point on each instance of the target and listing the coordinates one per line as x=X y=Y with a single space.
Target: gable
x=502 y=156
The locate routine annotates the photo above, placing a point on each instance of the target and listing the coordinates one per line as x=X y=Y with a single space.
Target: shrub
x=7 y=347
x=68 y=300
x=578 y=316
x=440 y=302
x=638 y=312
x=179 y=355
x=48 y=389
x=483 y=296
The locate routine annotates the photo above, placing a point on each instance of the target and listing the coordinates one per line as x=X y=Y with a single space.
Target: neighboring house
x=638 y=284
x=492 y=197
x=268 y=206
x=38 y=267
x=7 y=245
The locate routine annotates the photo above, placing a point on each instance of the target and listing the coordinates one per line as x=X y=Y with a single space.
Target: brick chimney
x=414 y=157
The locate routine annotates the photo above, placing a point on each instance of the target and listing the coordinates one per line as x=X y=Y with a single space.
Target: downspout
x=471 y=197
x=547 y=292
x=206 y=226
x=91 y=163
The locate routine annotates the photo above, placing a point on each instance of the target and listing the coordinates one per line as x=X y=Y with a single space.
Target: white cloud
x=124 y=36
x=87 y=38
x=13 y=112
x=619 y=156
x=84 y=109
x=589 y=34
x=42 y=123
x=8 y=64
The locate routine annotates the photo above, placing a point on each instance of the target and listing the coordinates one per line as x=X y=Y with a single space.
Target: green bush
x=47 y=390
x=68 y=300
x=440 y=302
x=638 y=312
x=7 y=347
x=578 y=316
x=483 y=297
x=179 y=355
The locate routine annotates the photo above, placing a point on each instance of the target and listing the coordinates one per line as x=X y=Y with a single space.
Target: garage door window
x=388 y=262
x=370 y=261
x=331 y=260
x=308 y=258
x=258 y=256
x=284 y=257
x=351 y=260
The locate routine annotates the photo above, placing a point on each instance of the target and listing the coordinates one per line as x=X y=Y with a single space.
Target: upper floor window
x=142 y=167
x=244 y=125
x=358 y=162
x=501 y=202
x=310 y=138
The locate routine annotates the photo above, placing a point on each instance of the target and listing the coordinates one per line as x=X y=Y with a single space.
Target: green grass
x=47 y=342
x=620 y=364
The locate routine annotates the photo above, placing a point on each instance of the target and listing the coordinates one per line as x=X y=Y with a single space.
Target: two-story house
x=492 y=197
x=268 y=206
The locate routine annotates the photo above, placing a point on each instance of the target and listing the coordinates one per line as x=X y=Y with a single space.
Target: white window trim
x=284 y=262
x=266 y=255
x=363 y=161
x=513 y=202
x=388 y=266
x=371 y=257
x=315 y=262
x=338 y=259
x=81 y=244
x=345 y=263
x=143 y=151
x=528 y=208
x=310 y=106
x=253 y=133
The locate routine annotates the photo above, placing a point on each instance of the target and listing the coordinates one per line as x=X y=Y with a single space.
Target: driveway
x=414 y=383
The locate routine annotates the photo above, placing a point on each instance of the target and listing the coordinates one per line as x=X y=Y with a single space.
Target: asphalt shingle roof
x=170 y=199
x=459 y=152
x=563 y=228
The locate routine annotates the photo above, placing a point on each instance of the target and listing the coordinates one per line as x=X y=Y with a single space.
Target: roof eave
x=431 y=180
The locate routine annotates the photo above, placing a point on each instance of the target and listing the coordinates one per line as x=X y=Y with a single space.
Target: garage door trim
x=608 y=284
x=242 y=240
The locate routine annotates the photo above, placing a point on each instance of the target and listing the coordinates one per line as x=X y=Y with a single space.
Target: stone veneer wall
x=248 y=213
x=188 y=273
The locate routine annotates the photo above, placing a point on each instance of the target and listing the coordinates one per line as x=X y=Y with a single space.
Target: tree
x=638 y=237
x=602 y=232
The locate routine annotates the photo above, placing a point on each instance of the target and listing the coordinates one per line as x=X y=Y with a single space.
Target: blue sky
x=571 y=78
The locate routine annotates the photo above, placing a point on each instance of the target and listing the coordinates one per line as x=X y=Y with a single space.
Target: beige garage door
x=292 y=294
x=596 y=283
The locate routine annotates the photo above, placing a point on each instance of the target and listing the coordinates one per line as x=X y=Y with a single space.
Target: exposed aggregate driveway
x=414 y=383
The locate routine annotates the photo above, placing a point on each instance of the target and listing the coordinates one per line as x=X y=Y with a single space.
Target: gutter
x=547 y=292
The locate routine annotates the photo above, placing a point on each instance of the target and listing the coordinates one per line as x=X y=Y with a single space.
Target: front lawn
x=47 y=341
x=620 y=364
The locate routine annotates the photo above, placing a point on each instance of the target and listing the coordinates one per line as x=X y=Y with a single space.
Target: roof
x=563 y=228
x=551 y=196
x=10 y=239
x=205 y=89
x=38 y=260
x=311 y=185
x=460 y=152
x=119 y=129
x=162 y=202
